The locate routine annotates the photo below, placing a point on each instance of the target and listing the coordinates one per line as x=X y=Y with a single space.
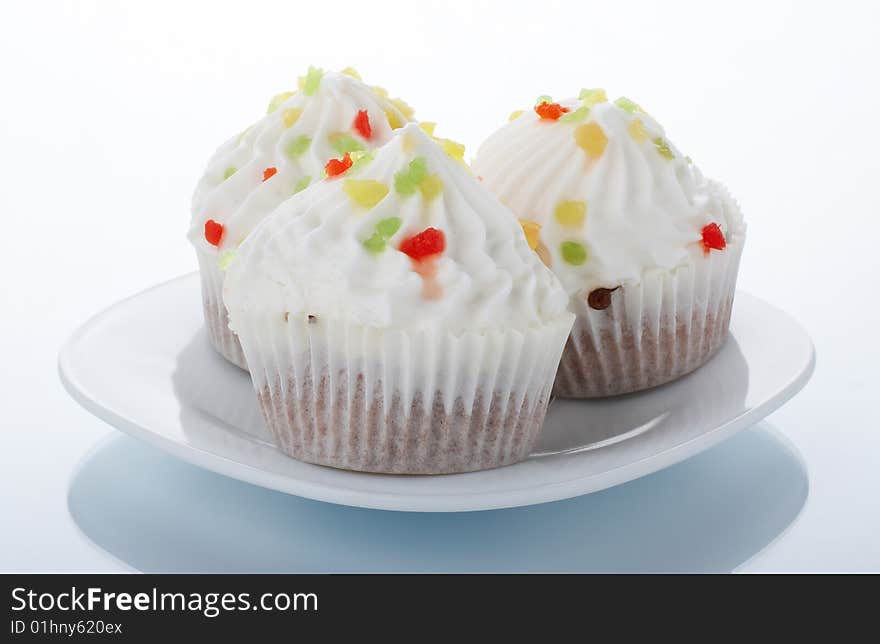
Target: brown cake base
x=355 y=430
x=221 y=337
x=618 y=360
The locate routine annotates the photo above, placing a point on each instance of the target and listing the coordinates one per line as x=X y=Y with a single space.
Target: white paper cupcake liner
x=224 y=341
x=653 y=332
x=374 y=400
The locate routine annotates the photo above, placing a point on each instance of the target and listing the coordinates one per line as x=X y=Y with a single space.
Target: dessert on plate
x=319 y=129
x=395 y=319
x=646 y=247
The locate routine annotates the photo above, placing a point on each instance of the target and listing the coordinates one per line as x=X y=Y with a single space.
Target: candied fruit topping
x=302 y=184
x=532 y=231
x=627 y=105
x=226 y=258
x=573 y=253
x=591 y=139
x=213 y=232
x=394 y=119
x=360 y=158
x=343 y=142
x=453 y=149
x=425 y=244
x=228 y=172
x=351 y=71
x=637 y=131
x=580 y=114
x=571 y=213
x=550 y=111
x=365 y=192
x=407 y=180
x=335 y=167
x=543 y=98
x=404 y=108
x=713 y=238
x=268 y=173
x=515 y=114
x=428 y=127
x=592 y=96
x=430 y=187
x=663 y=148
x=362 y=125
x=277 y=100
x=298 y=146
x=383 y=231
x=310 y=82
x=291 y=116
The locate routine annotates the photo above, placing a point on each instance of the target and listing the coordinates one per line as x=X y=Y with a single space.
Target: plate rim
x=445 y=502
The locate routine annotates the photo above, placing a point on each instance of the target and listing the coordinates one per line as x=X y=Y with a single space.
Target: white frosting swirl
x=239 y=201
x=309 y=258
x=644 y=203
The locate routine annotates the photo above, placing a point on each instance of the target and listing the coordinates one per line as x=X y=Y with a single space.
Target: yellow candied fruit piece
x=427 y=127
x=571 y=213
x=637 y=131
x=365 y=192
x=515 y=114
x=591 y=139
x=404 y=108
x=532 y=230
x=430 y=187
x=453 y=149
x=381 y=92
x=277 y=100
x=394 y=119
x=290 y=116
x=351 y=71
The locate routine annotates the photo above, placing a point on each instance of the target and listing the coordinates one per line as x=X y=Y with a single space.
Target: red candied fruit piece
x=268 y=173
x=213 y=232
x=713 y=238
x=425 y=244
x=335 y=167
x=550 y=111
x=362 y=124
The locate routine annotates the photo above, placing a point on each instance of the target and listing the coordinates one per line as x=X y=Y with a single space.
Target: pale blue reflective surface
x=710 y=513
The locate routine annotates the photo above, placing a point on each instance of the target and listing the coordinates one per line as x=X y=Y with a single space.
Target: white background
x=110 y=111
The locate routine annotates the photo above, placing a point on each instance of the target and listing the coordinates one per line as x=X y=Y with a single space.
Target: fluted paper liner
x=392 y=401
x=653 y=332
x=224 y=341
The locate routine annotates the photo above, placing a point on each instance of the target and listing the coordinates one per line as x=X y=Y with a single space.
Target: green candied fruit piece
x=312 y=80
x=407 y=180
x=228 y=172
x=543 y=98
x=592 y=96
x=387 y=227
x=663 y=148
x=226 y=258
x=343 y=143
x=573 y=253
x=297 y=146
x=302 y=184
x=359 y=158
x=375 y=243
x=277 y=100
x=627 y=105
x=577 y=116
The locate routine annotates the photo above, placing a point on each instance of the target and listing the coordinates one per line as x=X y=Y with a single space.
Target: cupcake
x=645 y=246
x=319 y=130
x=395 y=319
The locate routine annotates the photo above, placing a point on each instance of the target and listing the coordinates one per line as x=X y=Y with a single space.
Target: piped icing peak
x=307 y=134
x=611 y=196
x=408 y=239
